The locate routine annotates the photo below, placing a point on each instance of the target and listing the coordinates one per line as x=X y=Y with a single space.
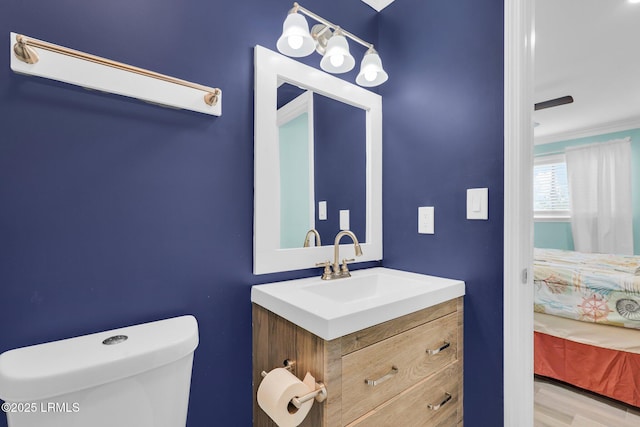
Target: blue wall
x=341 y=172
x=557 y=235
x=115 y=212
x=443 y=133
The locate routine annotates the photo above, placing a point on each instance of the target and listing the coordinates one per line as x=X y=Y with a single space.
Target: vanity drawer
x=377 y=373
x=361 y=339
x=432 y=402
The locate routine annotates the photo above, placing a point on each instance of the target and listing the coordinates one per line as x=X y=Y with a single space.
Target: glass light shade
x=337 y=58
x=371 y=71
x=295 y=40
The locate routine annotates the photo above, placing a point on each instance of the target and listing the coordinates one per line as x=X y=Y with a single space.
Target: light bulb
x=370 y=75
x=295 y=41
x=371 y=71
x=337 y=60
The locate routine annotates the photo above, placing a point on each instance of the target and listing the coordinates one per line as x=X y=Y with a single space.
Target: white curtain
x=600 y=188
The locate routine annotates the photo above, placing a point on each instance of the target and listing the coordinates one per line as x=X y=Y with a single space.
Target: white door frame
x=518 y=213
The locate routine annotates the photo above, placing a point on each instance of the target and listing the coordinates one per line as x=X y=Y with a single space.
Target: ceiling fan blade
x=553 y=102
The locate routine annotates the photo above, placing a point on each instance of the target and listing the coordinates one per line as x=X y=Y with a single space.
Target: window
x=550 y=189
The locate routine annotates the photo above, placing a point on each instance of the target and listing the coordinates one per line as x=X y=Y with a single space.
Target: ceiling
x=589 y=49
x=378 y=4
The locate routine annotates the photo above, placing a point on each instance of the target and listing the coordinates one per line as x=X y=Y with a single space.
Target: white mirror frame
x=271 y=68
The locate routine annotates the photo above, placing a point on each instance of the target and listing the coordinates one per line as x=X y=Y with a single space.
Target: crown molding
x=621 y=125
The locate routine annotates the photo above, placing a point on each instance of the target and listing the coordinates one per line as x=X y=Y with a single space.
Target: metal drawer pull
x=438 y=350
x=380 y=380
x=447 y=397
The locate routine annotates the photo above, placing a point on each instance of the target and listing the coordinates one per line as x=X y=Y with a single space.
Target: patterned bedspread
x=605 y=291
x=621 y=263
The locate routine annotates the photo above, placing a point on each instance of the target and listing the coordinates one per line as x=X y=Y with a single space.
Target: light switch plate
x=478 y=203
x=322 y=210
x=344 y=219
x=425 y=220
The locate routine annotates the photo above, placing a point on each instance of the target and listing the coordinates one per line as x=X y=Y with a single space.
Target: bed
x=587 y=321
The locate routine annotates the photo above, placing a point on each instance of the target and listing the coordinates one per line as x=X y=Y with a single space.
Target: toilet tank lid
x=55 y=368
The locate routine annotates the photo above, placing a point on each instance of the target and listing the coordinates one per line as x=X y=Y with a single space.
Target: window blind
x=550 y=187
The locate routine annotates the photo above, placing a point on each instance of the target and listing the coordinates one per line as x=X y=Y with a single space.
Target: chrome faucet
x=338 y=271
x=307 y=238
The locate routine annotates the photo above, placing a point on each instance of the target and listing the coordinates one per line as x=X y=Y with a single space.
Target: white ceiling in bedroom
x=589 y=49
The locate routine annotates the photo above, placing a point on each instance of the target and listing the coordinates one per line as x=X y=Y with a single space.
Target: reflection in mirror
x=318 y=143
x=322 y=154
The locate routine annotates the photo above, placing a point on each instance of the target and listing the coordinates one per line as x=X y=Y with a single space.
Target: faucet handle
x=344 y=270
x=326 y=274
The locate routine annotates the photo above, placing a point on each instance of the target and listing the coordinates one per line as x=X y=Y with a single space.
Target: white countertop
x=334 y=308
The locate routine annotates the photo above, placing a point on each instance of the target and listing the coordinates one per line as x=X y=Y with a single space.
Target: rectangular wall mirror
x=318 y=165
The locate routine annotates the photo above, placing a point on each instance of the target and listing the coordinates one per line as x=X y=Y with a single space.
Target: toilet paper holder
x=320 y=393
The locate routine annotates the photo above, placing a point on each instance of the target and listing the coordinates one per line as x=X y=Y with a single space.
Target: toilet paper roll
x=275 y=393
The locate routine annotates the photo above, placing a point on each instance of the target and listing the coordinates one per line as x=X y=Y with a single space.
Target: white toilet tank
x=138 y=376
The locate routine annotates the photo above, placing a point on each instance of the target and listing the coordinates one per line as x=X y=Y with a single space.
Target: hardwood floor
x=560 y=405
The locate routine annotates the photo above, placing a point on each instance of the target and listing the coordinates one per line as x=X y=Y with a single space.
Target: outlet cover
x=425 y=220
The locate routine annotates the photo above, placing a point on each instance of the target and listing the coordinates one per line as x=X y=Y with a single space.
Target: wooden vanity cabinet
x=404 y=372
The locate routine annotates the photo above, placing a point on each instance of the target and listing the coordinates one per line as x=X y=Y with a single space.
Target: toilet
x=138 y=376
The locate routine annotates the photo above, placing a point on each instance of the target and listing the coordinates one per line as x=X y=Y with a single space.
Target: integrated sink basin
x=360 y=288
x=334 y=308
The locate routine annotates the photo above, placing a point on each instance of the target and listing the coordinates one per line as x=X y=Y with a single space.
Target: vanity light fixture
x=371 y=71
x=297 y=41
x=337 y=58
